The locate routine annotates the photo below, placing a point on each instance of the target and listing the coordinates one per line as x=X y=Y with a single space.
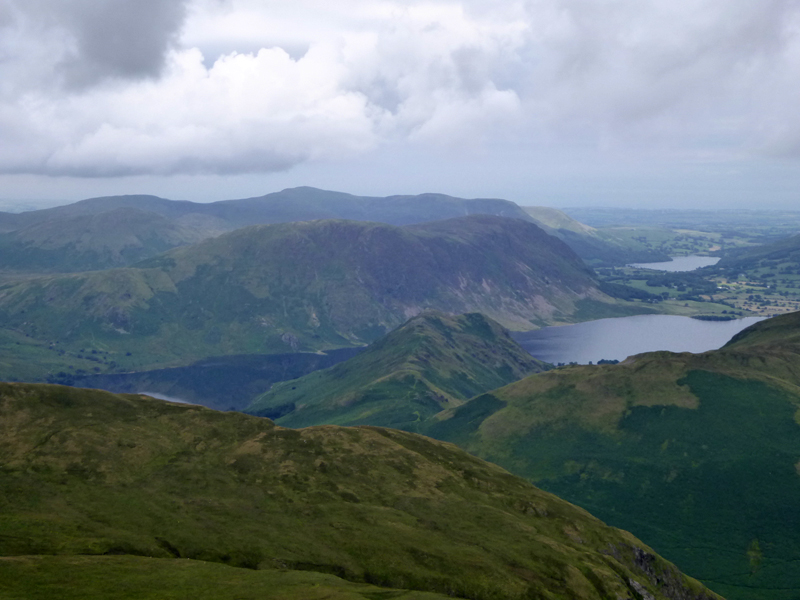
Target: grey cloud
x=676 y=72
x=6 y=15
x=251 y=161
x=682 y=78
x=122 y=38
x=108 y=38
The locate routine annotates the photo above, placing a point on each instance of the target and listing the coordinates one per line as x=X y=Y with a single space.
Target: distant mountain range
x=114 y=231
x=106 y=495
x=294 y=287
x=289 y=205
x=432 y=362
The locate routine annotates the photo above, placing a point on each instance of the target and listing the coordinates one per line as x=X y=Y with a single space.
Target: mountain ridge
x=433 y=361
x=198 y=220
x=182 y=222
x=299 y=287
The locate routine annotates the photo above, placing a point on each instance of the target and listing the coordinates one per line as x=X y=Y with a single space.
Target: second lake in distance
x=679 y=263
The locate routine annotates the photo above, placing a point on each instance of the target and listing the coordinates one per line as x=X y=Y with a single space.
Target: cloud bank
x=105 y=88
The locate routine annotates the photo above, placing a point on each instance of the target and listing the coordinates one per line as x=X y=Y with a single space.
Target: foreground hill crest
x=92 y=473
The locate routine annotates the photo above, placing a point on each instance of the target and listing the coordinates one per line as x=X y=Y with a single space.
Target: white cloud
x=246 y=113
x=231 y=86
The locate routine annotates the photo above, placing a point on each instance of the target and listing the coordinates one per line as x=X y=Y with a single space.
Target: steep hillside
x=595 y=246
x=768 y=336
x=431 y=363
x=697 y=454
x=296 y=287
x=96 y=241
x=88 y=474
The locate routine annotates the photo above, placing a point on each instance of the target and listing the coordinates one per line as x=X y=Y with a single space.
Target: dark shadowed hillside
x=219 y=382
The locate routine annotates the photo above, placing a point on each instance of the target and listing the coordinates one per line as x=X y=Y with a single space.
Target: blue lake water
x=679 y=263
x=616 y=339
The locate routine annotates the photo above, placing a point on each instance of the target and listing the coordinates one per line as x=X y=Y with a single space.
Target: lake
x=679 y=263
x=221 y=382
x=616 y=339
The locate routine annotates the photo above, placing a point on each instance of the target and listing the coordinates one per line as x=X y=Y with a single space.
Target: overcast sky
x=681 y=103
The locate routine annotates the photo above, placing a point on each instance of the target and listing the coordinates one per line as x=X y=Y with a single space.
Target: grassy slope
x=141 y=578
x=698 y=454
x=430 y=363
x=301 y=286
x=91 y=473
x=88 y=242
x=778 y=334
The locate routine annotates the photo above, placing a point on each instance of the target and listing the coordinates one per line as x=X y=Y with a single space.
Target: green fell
x=98 y=487
x=432 y=362
x=142 y=578
x=697 y=454
x=311 y=286
x=83 y=242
